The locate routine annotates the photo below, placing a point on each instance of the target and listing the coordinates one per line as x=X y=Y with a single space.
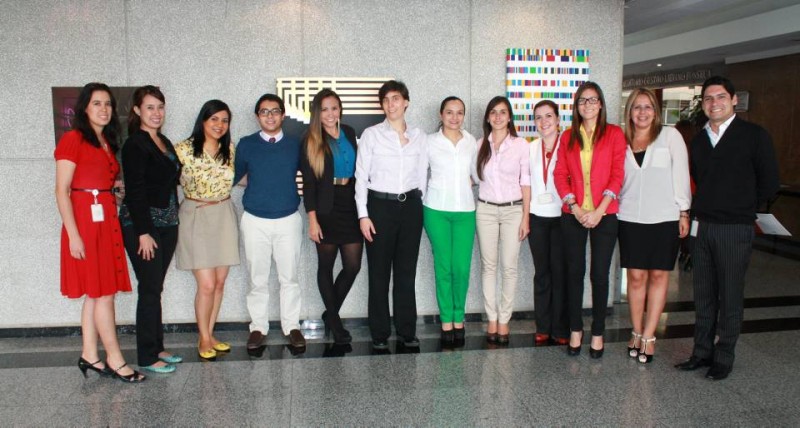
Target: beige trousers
x=498 y=231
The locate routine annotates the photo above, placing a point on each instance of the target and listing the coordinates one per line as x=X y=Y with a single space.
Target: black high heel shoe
x=644 y=357
x=84 y=365
x=633 y=351
x=459 y=334
x=334 y=326
x=134 y=377
x=596 y=353
x=574 y=351
x=324 y=318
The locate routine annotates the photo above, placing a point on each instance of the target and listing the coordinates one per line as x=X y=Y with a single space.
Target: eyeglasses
x=646 y=107
x=590 y=101
x=268 y=112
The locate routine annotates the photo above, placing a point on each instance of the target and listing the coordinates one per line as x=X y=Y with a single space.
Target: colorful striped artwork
x=533 y=75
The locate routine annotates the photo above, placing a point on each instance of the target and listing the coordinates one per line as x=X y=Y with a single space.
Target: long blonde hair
x=316 y=139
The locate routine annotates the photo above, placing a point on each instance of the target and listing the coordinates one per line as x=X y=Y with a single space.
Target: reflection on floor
x=473 y=385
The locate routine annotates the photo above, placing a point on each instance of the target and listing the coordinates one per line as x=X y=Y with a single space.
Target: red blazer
x=608 y=168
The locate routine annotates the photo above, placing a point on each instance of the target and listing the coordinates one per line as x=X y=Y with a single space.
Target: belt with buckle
x=413 y=194
x=502 y=204
x=341 y=181
x=90 y=190
x=206 y=203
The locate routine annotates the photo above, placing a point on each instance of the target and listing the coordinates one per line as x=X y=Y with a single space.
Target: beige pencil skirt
x=208 y=235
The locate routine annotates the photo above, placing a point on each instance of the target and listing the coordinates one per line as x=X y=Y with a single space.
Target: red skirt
x=104 y=271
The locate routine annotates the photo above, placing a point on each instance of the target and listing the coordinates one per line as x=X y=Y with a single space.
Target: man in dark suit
x=733 y=165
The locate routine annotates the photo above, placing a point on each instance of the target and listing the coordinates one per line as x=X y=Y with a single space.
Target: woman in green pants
x=449 y=214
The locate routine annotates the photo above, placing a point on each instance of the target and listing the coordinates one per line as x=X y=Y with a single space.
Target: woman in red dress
x=92 y=255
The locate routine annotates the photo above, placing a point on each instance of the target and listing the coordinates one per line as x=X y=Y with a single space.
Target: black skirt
x=340 y=226
x=648 y=246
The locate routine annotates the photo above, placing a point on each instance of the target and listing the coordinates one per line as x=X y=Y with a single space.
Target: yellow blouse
x=586 y=166
x=204 y=178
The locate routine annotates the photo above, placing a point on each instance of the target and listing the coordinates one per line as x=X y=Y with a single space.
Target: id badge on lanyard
x=97 y=209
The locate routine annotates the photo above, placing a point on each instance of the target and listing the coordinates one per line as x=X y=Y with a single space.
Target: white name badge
x=97 y=209
x=97 y=213
x=545 y=198
x=693 y=230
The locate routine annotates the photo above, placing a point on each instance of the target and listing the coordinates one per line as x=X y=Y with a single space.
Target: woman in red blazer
x=588 y=177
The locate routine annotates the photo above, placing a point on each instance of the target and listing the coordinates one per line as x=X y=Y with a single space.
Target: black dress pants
x=603 y=240
x=720 y=256
x=549 y=288
x=392 y=254
x=150 y=277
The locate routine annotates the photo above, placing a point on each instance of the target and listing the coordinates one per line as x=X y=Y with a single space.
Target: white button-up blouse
x=452 y=167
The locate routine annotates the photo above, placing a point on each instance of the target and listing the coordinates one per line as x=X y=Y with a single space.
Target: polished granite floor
x=474 y=385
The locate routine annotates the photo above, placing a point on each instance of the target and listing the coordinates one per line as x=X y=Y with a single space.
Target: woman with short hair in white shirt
x=653 y=215
x=545 y=240
x=449 y=214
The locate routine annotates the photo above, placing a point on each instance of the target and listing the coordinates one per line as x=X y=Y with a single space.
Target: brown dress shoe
x=296 y=339
x=255 y=340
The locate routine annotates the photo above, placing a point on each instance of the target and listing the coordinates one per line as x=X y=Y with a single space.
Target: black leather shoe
x=380 y=344
x=411 y=342
x=718 y=371
x=693 y=363
x=596 y=353
x=448 y=336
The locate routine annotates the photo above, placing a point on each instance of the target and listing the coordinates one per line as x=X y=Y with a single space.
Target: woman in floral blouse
x=208 y=241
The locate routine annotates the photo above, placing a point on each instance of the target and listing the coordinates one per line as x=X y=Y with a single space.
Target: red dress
x=104 y=271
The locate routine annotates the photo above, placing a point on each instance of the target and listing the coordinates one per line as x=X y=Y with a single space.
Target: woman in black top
x=328 y=165
x=149 y=216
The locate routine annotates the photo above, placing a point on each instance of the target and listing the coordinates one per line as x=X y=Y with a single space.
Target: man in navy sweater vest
x=733 y=165
x=271 y=225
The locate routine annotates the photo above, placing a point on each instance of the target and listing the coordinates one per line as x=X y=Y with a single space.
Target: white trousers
x=264 y=240
x=498 y=231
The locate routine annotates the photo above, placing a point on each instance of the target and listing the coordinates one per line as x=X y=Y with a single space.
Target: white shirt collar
x=266 y=136
x=722 y=128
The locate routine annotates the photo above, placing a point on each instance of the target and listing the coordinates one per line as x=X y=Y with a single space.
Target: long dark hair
x=198 y=137
x=485 y=151
x=316 y=139
x=134 y=121
x=81 y=122
x=577 y=120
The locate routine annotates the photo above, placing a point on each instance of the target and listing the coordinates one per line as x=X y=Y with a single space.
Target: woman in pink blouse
x=502 y=211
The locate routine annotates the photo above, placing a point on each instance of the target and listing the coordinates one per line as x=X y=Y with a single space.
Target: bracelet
x=684 y=215
x=569 y=206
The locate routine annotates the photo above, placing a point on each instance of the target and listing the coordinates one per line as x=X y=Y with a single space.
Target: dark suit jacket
x=318 y=193
x=150 y=178
x=734 y=177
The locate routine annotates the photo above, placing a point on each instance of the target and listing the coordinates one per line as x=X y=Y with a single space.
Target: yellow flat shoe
x=222 y=347
x=207 y=355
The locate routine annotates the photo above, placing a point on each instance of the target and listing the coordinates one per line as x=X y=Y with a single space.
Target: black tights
x=334 y=292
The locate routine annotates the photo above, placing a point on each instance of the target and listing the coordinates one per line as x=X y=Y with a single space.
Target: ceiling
x=684 y=33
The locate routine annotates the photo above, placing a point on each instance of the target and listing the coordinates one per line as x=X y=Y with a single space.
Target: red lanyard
x=546 y=161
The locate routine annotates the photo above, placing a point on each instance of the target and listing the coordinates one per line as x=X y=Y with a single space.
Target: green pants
x=452 y=235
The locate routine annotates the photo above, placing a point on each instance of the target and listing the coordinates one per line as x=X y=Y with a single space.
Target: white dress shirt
x=452 y=166
x=266 y=137
x=658 y=190
x=714 y=138
x=545 y=201
x=384 y=165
